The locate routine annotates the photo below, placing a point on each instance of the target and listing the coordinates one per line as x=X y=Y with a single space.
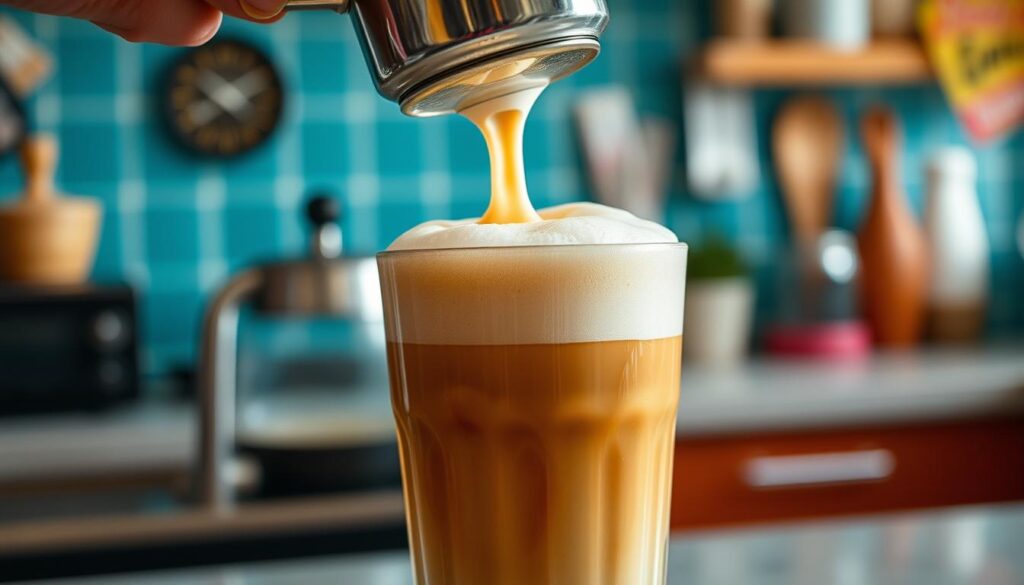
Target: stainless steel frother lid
x=438 y=56
x=499 y=75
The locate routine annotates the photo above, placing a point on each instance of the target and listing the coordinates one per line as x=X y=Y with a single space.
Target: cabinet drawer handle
x=819 y=469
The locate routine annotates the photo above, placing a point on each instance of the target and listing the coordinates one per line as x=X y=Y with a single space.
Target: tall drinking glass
x=535 y=390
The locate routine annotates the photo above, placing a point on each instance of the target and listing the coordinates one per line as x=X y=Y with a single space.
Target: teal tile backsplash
x=177 y=227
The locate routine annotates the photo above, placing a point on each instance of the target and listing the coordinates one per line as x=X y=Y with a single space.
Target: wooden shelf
x=778 y=63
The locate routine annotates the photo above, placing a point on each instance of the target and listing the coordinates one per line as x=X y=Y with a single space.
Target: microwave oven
x=67 y=348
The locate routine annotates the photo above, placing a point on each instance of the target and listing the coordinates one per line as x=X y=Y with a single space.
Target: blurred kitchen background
x=802 y=398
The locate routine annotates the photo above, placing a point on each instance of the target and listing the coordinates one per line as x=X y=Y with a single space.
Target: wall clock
x=223 y=99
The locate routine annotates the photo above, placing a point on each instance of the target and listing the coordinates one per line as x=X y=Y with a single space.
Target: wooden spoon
x=807 y=141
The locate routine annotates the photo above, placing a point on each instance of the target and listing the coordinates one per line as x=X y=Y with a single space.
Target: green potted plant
x=719 y=304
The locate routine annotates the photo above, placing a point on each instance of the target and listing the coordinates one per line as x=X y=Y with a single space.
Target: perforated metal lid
x=528 y=67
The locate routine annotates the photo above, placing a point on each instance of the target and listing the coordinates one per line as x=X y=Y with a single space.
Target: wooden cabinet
x=742 y=479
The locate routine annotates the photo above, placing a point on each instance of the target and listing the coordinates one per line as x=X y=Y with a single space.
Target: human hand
x=168 y=22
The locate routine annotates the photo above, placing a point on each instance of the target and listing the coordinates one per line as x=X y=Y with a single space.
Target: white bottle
x=959 y=287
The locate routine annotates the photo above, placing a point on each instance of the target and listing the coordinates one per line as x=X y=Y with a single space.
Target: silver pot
x=438 y=56
x=323 y=284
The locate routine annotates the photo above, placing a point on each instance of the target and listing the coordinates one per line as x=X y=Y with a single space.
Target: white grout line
x=48 y=115
x=131 y=209
x=362 y=197
x=325 y=107
x=176 y=277
x=289 y=184
x=562 y=182
x=131 y=192
x=435 y=194
x=211 y=200
x=435 y=188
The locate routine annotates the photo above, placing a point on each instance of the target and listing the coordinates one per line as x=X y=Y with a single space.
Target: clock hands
x=231 y=97
x=252 y=83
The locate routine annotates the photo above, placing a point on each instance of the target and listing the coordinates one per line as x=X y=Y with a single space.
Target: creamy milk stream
x=510 y=219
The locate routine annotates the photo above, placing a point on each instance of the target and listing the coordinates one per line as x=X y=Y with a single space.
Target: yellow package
x=977 y=49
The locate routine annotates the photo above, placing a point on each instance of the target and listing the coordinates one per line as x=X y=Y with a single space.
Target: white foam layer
x=570 y=224
x=496 y=290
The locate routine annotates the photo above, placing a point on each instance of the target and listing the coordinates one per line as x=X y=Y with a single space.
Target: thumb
x=169 y=22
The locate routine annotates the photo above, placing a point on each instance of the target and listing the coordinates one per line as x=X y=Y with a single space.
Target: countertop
x=760 y=395
x=936 y=384
x=962 y=546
